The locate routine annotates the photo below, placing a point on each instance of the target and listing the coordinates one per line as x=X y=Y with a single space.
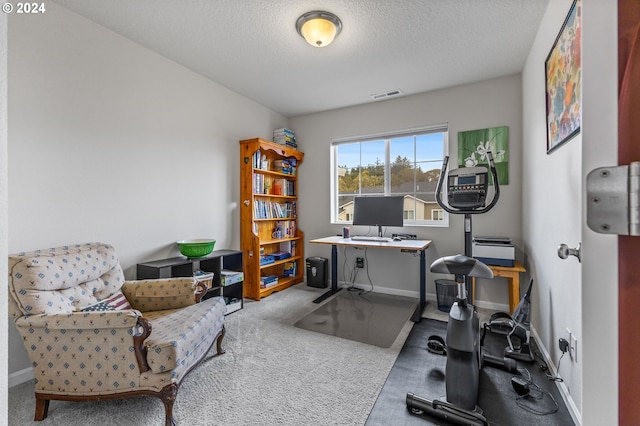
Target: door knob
x=564 y=251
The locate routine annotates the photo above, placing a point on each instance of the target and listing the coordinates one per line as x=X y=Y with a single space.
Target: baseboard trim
x=20 y=377
x=429 y=296
x=562 y=387
x=502 y=307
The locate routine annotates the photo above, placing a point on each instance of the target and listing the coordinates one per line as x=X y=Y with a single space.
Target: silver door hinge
x=613 y=199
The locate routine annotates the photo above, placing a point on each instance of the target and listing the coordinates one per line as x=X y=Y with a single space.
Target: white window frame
x=335 y=142
x=437 y=212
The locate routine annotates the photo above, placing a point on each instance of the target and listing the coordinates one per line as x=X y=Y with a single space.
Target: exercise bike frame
x=464 y=354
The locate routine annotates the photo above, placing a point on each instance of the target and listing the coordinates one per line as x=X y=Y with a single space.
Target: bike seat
x=461 y=265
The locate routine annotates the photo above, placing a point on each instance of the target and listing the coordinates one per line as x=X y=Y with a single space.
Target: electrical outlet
x=569 y=334
x=359 y=262
x=573 y=347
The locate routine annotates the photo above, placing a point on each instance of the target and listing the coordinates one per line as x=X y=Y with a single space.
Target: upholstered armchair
x=91 y=335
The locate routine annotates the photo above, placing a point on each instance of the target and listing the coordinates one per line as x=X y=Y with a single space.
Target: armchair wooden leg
x=42 y=409
x=219 y=341
x=168 y=397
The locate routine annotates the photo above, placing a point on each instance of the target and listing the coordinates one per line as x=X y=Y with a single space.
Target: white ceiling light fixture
x=319 y=28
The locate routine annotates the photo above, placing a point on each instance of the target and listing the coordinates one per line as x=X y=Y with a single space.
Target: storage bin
x=446 y=294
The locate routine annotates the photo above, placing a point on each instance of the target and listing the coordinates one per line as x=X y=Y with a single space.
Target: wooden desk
x=512 y=274
x=407 y=245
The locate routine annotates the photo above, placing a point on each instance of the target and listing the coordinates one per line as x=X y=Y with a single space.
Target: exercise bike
x=466 y=194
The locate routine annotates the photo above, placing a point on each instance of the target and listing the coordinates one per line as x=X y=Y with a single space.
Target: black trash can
x=446 y=293
x=317 y=272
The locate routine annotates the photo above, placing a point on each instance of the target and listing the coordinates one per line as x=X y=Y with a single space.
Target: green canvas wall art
x=473 y=146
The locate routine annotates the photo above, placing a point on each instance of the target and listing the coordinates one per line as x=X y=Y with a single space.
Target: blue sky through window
x=428 y=148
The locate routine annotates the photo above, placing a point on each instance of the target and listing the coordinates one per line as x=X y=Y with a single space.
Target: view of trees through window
x=406 y=165
x=403 y=171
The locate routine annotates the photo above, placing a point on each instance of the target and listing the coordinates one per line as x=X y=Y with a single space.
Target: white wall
x=600 y=254
x=552 y=188
x=568 y=294
x=480 y=105
x=111 y=142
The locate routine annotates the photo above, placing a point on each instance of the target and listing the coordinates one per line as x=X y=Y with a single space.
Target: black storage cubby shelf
x=219 y=260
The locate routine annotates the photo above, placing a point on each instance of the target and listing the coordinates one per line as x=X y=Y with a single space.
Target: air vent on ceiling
x=385 y=95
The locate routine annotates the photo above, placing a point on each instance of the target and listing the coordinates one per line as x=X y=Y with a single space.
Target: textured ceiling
x=252 y=47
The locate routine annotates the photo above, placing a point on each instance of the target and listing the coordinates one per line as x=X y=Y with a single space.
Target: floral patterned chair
x=91 y=335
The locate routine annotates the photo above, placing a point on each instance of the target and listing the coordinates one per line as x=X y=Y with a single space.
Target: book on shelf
x=259 y=160
x=266 y=260
x=283 y=133
x=290 y=144
x=282 y=130
x=285 y=246
x=230 y=277
x=280 y=255
x=284 y=136
x=283 y=166
x=285 y=229
x=268 y=281
x=272 y=210
x=290 y=269
x=284 y=187
x=286 y=141
x=258 y=184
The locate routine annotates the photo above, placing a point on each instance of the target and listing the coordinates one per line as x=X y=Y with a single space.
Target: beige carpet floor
x=271 y=374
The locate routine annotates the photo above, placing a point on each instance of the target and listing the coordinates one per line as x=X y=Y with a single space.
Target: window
x=437 y=214
x=406 y=162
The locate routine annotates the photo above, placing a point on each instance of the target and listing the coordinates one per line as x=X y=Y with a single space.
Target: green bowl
x=196 y=248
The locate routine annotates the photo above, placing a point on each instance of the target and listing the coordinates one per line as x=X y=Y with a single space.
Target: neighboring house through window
x=406 y=162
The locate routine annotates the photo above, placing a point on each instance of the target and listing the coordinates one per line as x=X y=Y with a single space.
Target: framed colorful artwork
x=563 y=81
x=473 y=146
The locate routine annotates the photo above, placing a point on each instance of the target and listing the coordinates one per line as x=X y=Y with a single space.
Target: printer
x=496 y=251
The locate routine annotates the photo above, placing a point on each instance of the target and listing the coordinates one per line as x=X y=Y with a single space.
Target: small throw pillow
x=117 y=302
x=97 y=307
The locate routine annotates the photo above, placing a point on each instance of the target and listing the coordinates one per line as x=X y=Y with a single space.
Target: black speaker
x=317 y=272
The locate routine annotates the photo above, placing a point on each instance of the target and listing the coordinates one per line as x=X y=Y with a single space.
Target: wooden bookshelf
x=269 y=203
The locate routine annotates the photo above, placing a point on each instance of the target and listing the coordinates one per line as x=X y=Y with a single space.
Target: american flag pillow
x=117 y=302
x=97 y=307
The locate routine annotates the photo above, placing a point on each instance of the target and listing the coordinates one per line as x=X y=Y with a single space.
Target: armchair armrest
x=82 y=320
x=121 y=334
x=161 y=294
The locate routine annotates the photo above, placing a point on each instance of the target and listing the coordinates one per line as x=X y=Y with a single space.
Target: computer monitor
x=378 y=211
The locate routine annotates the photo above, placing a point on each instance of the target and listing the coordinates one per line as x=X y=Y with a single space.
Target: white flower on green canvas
x=474 y=146
x=471 y=161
